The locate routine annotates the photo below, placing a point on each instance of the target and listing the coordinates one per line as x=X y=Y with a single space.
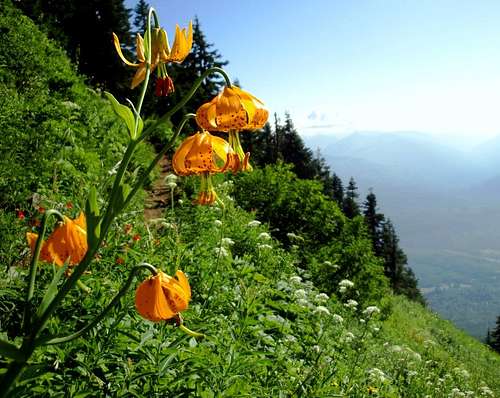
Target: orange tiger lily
x=161 y=54
x=231 y=111
x=68 y=241
x=204 y=154
x=162 y=297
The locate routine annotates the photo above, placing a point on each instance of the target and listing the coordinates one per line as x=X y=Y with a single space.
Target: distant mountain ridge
x=440 y=199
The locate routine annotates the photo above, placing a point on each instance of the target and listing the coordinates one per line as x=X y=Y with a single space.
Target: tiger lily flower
x=161 y=54
x=204 y=154
x=68 y=241
x=162 y=297
x=231 y=111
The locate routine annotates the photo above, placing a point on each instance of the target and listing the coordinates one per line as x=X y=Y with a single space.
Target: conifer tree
x=373 y=221
x=84 y=29
x=141 y=16
x=495 y=336
x=401 y=277
x=351 y=207
x=338 y=190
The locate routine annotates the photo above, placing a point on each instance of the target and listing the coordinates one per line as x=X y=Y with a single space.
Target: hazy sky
x=339 y=66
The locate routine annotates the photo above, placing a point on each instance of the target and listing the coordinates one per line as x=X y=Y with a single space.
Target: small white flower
x=170 y=178
x=412 y=373
x=321 y=297
x=290 y=338
x=282 y=285
x=337 y=318
x=316 y=348
x=180 y=201
x=221 y=251
x=300 y=293
x=303 y=302
x=485 y=391
x=351 y=304
x=295 y=279
x=322 y=310
x=346 y=283
x=264 y=236
x=376 y=374
x=218 y=223
x=264 y=246
x=227 y=241
x=348 y=337
x=371 y=310
x=376 y=329
x=254 y=223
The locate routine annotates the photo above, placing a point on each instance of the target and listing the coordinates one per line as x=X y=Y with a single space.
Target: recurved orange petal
x=150 y=300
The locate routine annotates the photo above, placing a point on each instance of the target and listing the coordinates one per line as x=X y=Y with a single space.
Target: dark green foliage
x=494 y=336
x=338 y=190
x=320 y=232
x=58 y=137
x=351 y=207
x=401 y=277
x=373 y=221
x=141 y=12
x=84 y=29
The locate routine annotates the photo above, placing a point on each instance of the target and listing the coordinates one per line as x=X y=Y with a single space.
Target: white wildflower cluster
x=290 y=338
x=429 y=343
x=353 y=304
x=376 y=375
x=221 y=251
x=227 y=241
x=300 y=294
x=456 y=393
x=254 y=224
x=371 y=310
x=264 y=246
x=337 y=318
x=344 y=285
x=295 y=279
x=293 y=236
x=316 y=348
x=264 y=236
x=461 y=372
x=273 y=319
x=321 y=297
x=485 y=391
x=348 y=337
x=282 y=285
x=321 y=310
x=218 y=223
x=331 y=265
x=170 y=180
x=302 y=302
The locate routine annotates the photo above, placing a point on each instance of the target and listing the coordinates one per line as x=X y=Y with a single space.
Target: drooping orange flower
x=231 y=111
x=161 y=54
x=69 y=240
x=162 y=297
x=204 y=154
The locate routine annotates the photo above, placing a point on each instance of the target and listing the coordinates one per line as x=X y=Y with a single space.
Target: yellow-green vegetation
x=303 y=310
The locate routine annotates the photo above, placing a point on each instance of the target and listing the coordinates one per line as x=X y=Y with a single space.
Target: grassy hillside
x=279 y=319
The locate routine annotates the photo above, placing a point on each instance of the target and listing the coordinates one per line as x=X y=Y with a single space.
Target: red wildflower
x=20 y=214
x=69 y=205
x=136 y=237
x=120 y=261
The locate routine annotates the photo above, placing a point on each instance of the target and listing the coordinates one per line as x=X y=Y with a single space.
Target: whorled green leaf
x=126 y=114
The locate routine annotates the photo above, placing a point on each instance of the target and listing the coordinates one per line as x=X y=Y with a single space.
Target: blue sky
x=341 y=66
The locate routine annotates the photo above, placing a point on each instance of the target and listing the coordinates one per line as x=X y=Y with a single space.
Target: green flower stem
x=191 y=332
x=145 y=174
x=34 y=264
x=113 y=303
x=166 y=117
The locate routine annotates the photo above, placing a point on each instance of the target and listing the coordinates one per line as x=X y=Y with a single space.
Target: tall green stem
x=33 y=265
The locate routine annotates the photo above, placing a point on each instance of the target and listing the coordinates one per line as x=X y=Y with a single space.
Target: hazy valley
x=445 y=204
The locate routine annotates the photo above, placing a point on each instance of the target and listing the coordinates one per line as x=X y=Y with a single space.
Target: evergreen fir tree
x=495 y=336
x=373 y=221
x=141 y=11
x=84 y=29
x=401 y=277
x=338 y=190
x=351 y=207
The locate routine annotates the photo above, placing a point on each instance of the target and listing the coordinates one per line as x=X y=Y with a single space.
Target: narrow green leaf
x=51 y=290
x=92 y=217
x=125 y=113
x=9 y=350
